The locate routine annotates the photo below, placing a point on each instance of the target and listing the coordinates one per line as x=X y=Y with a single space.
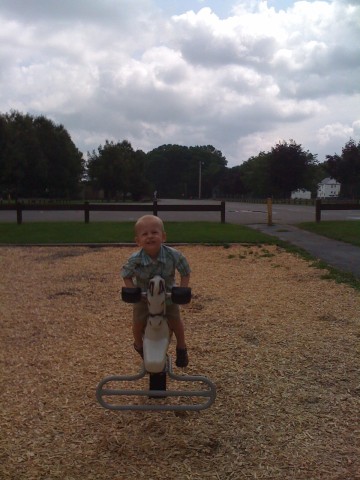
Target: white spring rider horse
x=157 y=334
x=157 y=362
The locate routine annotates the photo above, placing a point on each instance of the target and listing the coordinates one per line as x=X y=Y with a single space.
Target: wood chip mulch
x=280 y=342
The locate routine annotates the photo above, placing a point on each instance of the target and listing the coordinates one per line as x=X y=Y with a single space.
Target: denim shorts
x=141 y=312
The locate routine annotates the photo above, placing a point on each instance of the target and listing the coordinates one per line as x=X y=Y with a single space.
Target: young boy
x=155 y=258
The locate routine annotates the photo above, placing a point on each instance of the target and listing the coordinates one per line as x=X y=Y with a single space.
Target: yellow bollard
x=269 y=210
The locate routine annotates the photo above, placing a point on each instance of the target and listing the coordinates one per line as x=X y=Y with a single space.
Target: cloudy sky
x=239 y=75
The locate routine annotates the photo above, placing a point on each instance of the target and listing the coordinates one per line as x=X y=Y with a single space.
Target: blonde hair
x=148 y=218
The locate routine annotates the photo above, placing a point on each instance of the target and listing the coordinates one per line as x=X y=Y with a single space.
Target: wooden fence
x=319 y=206
x=87 y=207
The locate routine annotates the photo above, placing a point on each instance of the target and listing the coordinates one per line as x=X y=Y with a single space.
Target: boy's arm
x=127 y=274
x=184 y=281
x=183 y=268
x=129 y=283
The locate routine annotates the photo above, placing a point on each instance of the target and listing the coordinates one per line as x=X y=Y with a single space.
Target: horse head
x=156 y=295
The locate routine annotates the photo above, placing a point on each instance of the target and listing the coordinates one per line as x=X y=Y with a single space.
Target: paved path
x=338 y=254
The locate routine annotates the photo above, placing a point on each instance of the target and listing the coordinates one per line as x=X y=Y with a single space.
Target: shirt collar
x=146 y=260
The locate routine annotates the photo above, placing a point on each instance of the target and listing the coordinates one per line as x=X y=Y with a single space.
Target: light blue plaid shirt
x=140 y=267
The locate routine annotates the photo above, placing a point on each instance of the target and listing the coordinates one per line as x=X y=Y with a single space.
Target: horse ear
x=162 y=287
x=151 y=288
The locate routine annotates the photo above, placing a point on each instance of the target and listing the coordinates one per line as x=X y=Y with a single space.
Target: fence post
x=318 y=210
x=269 y=210
x=222 y=212
x=19 y=213
x=155 y=208
x=86 y=212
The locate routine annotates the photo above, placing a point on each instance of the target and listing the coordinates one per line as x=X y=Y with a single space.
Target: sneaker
x=182 y=359
x=139 y=350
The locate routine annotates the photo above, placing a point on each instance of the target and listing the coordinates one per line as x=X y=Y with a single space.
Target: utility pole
x=200 y=180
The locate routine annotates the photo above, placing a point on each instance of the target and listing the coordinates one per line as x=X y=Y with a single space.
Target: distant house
x=328 y=188
x=301 y=193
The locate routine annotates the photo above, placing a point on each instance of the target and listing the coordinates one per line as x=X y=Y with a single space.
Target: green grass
x=345 y=231
x=123 y=232
x=180 y=232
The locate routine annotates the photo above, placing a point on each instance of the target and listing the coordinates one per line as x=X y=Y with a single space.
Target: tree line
x=38 y=159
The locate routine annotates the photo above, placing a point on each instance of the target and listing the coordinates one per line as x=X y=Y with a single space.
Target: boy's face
x=150 y=236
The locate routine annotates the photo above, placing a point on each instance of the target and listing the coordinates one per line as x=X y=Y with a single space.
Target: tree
x=170 y=171
x=289 y=168
x=64 y=162
x=37 y=157
x=22 y=158
x=346 y=168
x=174 y=170
x=231 y=182
x=277 y=173
x=213 y=166
x=255 y=175
x=117 y=169
x=317 y=174
x=138 y=185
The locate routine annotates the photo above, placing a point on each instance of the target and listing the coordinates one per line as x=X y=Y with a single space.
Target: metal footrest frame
x=209 y=393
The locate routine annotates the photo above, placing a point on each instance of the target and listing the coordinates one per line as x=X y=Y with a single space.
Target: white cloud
x=356 y=129
x=338 y=131
x=119 y=69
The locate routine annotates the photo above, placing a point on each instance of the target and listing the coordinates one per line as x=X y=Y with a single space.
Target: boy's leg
x=138 y=332
x=140 y=313
x=177 y=326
